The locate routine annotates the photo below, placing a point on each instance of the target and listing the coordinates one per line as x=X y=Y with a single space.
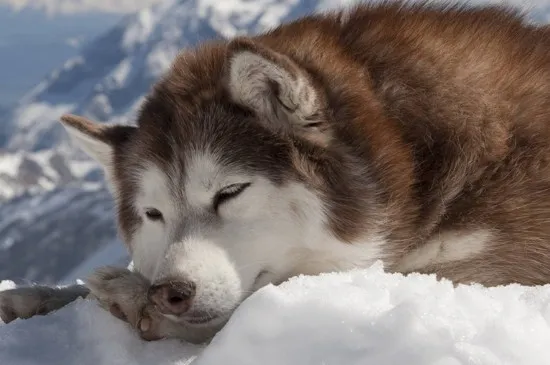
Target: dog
x=412 y=133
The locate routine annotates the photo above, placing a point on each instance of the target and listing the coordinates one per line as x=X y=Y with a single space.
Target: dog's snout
x=173 y=297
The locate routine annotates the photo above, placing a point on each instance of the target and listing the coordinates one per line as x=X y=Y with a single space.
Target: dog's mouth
x=195 y=321
x=199 y=318
x=202 y=319
x=263 y=278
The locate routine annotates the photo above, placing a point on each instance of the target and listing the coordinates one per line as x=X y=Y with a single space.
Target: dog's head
x=231 y=180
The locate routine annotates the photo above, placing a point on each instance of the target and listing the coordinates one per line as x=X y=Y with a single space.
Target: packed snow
x=357 y=317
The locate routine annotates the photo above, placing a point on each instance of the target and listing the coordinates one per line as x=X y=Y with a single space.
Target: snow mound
x=5 y=285
x=357 y=317
x=82 y=333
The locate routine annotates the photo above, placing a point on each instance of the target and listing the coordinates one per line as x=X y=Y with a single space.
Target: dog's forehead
x=169 y=184
x=201 y=143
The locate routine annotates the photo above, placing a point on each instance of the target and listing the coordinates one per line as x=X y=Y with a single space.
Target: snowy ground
x=361 y=317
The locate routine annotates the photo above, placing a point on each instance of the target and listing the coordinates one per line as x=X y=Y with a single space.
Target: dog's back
x=453 y=107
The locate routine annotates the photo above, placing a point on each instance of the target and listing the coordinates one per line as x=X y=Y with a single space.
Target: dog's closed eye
x=227 y=193
x=153 y=214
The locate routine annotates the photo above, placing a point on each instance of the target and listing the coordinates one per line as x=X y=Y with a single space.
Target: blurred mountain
x=29 y=34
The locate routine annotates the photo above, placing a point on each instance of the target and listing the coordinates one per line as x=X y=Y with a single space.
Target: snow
x=356 y=317
x=8 y=242
x=84 y=334
x=5 y=285
x=228 y=17
x=119 y=75
x=42 y=158
x=9 y=163
x=138 y=31
x=34 y=113
x=81 y=168
x=160 y=59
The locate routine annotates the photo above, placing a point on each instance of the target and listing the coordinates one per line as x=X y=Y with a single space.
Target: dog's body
x=415 y=135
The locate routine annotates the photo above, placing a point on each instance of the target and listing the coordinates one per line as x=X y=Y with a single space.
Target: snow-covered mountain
x=29 y=34
x=48 y=185
x=79 y=6
x=43 y=236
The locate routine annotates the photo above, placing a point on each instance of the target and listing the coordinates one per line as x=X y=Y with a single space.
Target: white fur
x=249 y=78
x=205 y=176
x=447 y=247
x=149 y=244
x=100 y=151
x=320 y=250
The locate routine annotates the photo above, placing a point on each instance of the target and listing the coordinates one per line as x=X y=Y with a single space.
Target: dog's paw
x=124 y=294
x=26 y=302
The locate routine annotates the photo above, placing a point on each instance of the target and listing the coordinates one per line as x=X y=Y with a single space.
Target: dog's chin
x=205 y=318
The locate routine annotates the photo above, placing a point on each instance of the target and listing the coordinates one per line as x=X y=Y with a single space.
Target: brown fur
x=430 y=119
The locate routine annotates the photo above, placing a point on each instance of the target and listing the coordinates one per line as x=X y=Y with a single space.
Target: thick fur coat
x=418 y=135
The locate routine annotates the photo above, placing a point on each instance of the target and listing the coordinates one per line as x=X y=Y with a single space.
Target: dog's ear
x=98 y=140
x=279 y=91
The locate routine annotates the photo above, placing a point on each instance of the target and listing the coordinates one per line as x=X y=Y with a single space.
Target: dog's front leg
x=124 y=294
x=120 y=291
x=26 y=302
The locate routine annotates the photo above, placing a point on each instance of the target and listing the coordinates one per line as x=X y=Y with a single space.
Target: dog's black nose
x=173 y=297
